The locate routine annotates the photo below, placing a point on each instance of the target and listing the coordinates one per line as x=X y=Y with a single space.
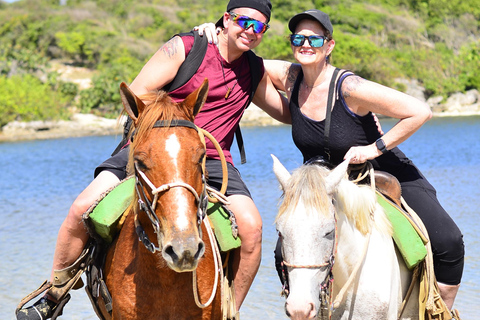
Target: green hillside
x=436 y=42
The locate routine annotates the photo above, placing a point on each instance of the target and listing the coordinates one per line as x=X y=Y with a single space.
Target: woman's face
x=306 y=54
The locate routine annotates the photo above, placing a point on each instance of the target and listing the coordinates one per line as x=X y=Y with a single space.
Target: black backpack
x=186 y=71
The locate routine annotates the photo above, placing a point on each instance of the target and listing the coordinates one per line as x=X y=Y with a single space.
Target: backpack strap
x=255 y=68
x=192 y=62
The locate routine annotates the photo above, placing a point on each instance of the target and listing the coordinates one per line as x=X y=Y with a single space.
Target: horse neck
x=378 y=260
x=352 y=244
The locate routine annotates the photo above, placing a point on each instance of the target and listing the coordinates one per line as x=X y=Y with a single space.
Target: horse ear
x=132 y=104
x=281 y=172
x=197 y=98
x=336 y=175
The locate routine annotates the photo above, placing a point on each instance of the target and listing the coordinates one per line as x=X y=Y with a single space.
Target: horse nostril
x=200 y=251
x=313 y=312
x=170 y=252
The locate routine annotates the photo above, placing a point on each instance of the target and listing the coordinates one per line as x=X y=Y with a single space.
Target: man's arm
x=270 y=100
x=283 y=74
x=161 y=69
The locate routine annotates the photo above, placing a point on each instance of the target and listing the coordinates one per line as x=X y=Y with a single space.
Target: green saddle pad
x=409 y=243
x=222 y=226
x=105 y=216
x=109 y=209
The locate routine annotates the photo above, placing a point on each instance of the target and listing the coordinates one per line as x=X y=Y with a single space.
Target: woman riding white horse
x=329 y=224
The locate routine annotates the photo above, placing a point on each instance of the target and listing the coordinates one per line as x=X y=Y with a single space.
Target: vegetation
x=433 y=41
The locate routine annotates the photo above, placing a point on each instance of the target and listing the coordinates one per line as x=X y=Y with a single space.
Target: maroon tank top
x=220 y=116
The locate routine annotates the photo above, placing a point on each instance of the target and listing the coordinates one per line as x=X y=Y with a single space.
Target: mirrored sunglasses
x=297 y=40
x=246 y=22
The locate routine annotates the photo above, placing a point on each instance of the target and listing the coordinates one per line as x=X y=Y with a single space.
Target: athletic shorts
x=235 y=182
x=117 y=164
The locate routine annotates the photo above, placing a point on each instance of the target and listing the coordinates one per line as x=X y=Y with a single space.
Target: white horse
x=324 y=217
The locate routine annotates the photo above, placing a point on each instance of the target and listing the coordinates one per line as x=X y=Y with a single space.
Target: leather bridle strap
x=175 y=123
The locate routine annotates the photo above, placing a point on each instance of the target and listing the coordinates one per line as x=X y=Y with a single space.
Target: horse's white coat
x=382 y=280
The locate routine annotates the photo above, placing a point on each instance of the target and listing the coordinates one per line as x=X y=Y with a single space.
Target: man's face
x=243 y=30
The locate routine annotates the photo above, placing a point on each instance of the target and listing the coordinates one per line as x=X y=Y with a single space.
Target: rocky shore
x=459 y=104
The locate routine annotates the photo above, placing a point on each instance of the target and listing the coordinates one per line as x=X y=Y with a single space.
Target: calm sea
x=40 y=180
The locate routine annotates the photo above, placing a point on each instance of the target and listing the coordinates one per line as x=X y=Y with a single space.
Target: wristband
x=381 y=145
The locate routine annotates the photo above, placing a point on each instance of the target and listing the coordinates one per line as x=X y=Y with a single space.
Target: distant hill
x=434 y=42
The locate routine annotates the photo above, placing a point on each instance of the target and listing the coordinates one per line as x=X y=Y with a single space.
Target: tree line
x=436 y=42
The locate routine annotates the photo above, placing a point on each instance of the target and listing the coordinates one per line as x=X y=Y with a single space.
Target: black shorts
x=235 y=182
x=117 y=164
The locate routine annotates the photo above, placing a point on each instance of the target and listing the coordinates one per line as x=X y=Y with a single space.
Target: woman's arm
x=364 y=96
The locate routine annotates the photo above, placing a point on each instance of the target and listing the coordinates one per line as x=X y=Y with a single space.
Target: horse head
x=307 y=226
x=166 y=155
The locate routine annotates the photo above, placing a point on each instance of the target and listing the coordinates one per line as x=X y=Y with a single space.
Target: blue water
x=41 y=179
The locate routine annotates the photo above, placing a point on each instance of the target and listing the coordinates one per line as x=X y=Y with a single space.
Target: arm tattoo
x=170 y=48
x=291 y=71
x=351 y=84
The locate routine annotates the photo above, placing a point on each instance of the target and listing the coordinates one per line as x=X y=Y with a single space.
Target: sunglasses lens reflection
x=298 y=40
x=247 y=22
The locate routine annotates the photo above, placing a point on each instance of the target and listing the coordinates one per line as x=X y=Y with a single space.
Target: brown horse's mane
x=158 y=106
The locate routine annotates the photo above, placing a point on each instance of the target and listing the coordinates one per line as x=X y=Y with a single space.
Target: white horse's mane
x=357 y=202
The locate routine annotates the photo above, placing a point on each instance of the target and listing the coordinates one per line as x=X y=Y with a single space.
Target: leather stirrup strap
x=44 y=287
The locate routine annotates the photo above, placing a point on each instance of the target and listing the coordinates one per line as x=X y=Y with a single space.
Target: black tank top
x=346 y=130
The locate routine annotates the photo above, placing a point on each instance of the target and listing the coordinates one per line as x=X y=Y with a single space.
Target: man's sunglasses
x=246 y=22
x=297 y=40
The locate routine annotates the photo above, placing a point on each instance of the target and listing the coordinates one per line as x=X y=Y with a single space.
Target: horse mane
x=158 y=106
x=357 y=202
x=308 y=183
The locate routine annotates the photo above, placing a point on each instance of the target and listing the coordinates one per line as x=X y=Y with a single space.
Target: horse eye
x=140 y=165
x=330 y=234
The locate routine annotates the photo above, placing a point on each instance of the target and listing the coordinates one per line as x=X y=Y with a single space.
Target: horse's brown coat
x=141 y=283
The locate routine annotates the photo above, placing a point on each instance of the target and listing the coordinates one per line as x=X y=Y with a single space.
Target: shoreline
x=83 y=125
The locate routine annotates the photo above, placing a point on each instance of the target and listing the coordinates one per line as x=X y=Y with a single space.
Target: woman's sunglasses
x=297 y=40
x=246 y=22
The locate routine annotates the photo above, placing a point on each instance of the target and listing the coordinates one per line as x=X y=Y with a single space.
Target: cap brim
x=220 y=23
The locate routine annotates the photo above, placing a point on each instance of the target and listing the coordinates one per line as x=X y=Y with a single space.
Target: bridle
x=326 y=287
x=149 y=207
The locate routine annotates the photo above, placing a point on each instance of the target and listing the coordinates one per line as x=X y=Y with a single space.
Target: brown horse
x=155 y=280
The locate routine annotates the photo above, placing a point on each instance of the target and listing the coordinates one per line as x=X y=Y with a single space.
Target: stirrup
x=43 y=308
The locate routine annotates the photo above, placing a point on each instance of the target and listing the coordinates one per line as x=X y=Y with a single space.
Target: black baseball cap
x=264 y=6
x=312 y=14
